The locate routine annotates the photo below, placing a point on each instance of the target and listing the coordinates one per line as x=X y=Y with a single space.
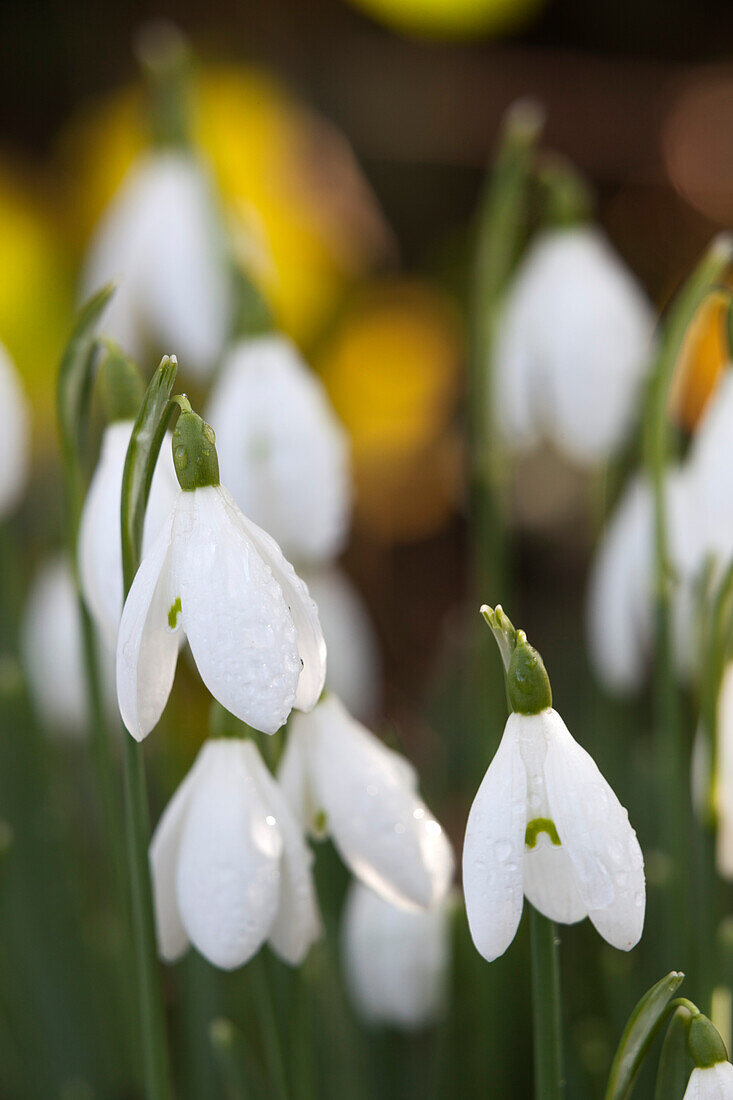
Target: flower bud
x=194 y=453
x=704 y=1043
x=528 y=685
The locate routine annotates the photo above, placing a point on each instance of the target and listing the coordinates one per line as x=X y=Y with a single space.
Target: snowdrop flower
x=229 y=864
x=572 y=347
x=100 y=545
x=712 y=1077
x=342 y=781
x=252 y=628
x=545 y=824
x=354 y=665
x=161 y=241
x=14 y=454
x=283 y=453
x=52 y=648
x=396 y=960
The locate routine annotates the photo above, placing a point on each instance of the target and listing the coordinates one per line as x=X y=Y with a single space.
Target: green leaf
x=675 y=1064
x=73 y=395
x=155 y=416
x=638 y=1035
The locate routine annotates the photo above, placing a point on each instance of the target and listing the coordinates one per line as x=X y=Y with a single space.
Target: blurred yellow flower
x=702 y=358
x=34 y=292
x=449 y=18
x=392 y=369
x=303 y=220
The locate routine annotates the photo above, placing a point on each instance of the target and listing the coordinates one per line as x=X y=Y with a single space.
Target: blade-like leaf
x=638 y=1035
x=675 y=1063
x=150 y=427
x=73 y=394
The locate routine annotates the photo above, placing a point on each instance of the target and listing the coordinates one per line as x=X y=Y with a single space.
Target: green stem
x=671 y=749
x=269 y=1028
x=547 y=1025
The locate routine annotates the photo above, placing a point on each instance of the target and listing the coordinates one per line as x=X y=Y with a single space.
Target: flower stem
x=671 y=752
x=546 y=1018
x=270 y=1034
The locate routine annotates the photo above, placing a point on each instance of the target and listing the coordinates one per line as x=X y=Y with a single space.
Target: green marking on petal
x=173 y=613
x=541 y=825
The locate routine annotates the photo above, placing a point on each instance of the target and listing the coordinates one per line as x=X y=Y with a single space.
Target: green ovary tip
x=541 y=825
x=173 y=613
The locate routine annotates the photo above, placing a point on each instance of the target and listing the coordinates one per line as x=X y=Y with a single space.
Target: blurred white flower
x=15 y=446
x=51 y=643
x=229 y=864
x=160 y=239
x=354 y=664
x=572 y=348
x=699 y=527
x=396 y=960
x=283 y=454
x=100 y=546
x=546 y=825
x=343 y=782
x=723 y=780
x=710 y=1083
x=251 y=625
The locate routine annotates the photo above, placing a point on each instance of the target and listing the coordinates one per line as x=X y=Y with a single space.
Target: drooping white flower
x=14 y=446
x=546 y=825
x=251 y=625
x=710 y=1083
x=161 y=241
x=341 y=780
x=100 y=547
x=572 y=347
x=51 y=644
x=396 y=960
x=229 y=863
x=354 y=666
x=282 y=452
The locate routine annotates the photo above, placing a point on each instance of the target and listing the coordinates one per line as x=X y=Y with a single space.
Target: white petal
x=549 y=882
x=303 y=611
x=293 y=777
x=396 y=960
x=595 y=831
x=513 y=363
x=724 y=778
x=234 y=613
x=164 y=849
x=709 y=464
x=382 y=829
x=282 y=453
x=354 y=663
x=619 y=621
x=297 y=924
x=14 y=441
x=712 y=1083
x=228 y=877
x=147 y=648
x=493 y=848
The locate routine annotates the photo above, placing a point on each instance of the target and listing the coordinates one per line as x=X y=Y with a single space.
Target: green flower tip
x=121 y=386
x=194 y=452
x=568 y=199
x=704 y=1043
x=527 y=682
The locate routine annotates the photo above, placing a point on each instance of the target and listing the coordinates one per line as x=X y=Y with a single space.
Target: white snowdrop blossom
x=100 y=547
x=51 y=645
x=699 y=526
x=710 y=1083
x=723 y=780
x=161 y=241
x=15 y=443
x=396 y=960
x=546 y=825
x=354 y=664
x=283 y=454
x=342 y=781
x=229 y=864
x=572 y=348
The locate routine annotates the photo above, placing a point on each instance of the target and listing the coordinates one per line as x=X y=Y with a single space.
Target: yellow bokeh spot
x=302 y=219
x=449 y=18
x=702 y=358
x=392 y=369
